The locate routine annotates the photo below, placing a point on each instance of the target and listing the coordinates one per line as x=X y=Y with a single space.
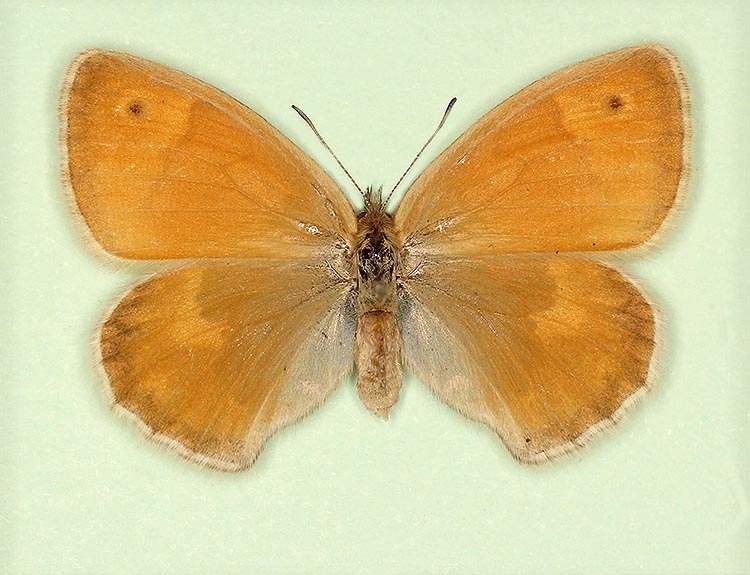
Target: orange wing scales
x=588 y=159
x=166 y=167
x=229 y=360
x=545 y=349
x=501 y=310
x=541 y=350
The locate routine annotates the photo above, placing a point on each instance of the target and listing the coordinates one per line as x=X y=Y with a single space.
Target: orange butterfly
x=484 y=282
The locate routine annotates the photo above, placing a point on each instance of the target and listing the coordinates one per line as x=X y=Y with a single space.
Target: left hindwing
x=212 y=359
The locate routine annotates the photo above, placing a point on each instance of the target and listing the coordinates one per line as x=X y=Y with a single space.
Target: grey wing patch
x=436 y=356
x=318 y=366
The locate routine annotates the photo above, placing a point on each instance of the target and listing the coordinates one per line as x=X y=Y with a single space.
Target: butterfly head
x=374 y=200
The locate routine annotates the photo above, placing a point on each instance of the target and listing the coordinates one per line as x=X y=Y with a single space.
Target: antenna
x=427 y=143
x=327 y=147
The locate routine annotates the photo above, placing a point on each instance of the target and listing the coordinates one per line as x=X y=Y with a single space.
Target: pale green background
x=82 y=492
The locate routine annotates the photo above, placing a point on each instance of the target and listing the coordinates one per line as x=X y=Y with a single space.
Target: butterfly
x=492 y=280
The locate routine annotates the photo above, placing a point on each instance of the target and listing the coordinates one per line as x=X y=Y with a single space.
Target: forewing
x=545 y=351
x=589 y=158
x=213 y=359
x=164 y=166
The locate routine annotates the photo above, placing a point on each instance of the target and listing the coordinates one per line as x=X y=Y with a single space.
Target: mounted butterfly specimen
x=492 y=281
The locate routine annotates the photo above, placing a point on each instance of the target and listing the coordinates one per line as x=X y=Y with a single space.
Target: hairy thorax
x=378 y=341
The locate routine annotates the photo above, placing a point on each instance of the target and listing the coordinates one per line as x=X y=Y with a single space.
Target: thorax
x=375 y=264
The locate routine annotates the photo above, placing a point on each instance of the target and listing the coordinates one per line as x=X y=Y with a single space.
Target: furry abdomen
x=378 y=356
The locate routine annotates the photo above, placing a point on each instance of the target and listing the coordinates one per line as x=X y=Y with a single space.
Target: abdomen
x=377 y=351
